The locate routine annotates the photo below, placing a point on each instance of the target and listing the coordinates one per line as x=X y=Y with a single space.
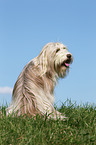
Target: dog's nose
x=69 y=56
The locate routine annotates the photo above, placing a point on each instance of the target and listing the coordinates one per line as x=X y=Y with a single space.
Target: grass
x=78 y=129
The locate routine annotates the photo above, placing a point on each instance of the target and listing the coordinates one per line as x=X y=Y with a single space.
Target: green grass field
x=78 y=129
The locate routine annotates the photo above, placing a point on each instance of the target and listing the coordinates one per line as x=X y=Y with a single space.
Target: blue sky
x=27 y=25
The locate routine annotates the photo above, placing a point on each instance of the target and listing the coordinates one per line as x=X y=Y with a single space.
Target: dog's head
x=62 y=60
x=56 y=57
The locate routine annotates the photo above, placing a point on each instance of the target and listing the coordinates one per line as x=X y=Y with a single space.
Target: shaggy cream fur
x=34 y=88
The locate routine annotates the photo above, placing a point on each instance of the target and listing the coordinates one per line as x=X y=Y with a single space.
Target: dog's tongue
x=67 y=64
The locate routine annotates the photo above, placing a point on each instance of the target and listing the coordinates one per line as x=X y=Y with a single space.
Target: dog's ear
x=43 y=61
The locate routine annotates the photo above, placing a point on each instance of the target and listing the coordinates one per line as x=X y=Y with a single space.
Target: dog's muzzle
x=67 y=61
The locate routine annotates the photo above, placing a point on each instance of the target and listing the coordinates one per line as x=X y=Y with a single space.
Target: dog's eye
x=64 y=47
x=57 y=50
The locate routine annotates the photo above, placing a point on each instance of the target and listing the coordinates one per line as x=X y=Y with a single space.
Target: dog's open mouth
x=66 y=63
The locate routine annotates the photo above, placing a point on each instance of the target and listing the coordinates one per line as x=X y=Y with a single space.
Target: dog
x=33 y=91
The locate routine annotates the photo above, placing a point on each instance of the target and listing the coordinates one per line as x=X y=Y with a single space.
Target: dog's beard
x=62 y=68
x=63 y=71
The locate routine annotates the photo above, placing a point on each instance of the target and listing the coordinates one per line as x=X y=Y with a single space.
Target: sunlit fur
x=34 y=88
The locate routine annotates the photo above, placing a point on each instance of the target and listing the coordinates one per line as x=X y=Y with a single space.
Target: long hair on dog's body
x=34 y=88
